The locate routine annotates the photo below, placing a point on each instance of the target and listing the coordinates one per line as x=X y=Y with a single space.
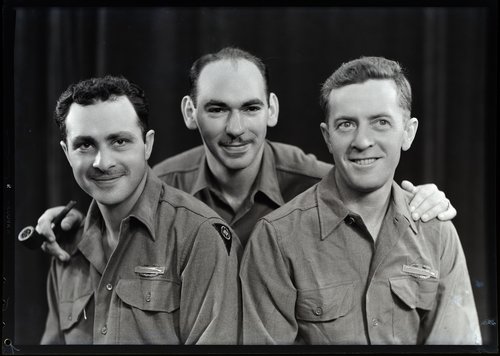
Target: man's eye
x=252 y=108
x=215 y=110
x=120 y=142
x=84 y=146
x=345 y=125
x=382 y=123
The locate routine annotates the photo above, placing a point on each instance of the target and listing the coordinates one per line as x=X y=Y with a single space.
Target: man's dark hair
x=362 y=69
x=94 y=90
x=227 y=53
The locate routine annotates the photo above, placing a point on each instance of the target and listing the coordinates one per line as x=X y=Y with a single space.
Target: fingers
x=428 y=202
x=44 y=223
x=408 y=186
x=53 y=248
x=73 y=219
x=44 y=228
x=449 y=214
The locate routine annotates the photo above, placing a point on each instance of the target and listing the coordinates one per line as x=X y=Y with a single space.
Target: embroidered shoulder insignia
x=225 y=233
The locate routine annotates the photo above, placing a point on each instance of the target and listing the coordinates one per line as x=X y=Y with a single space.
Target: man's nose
x=235 y=125
x=103 y=160
x=363 y=138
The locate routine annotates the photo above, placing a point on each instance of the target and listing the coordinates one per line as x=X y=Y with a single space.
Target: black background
x=449 y=53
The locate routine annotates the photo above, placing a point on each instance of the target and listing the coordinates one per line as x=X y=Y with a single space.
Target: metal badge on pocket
x=420 y=271
x=149 y=271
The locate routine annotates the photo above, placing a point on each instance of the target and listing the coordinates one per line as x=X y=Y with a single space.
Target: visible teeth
x=364 y=161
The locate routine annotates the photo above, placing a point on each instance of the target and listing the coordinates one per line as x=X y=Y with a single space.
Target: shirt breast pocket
x=73 y=319
x=413 y=299
x=149 y=310
x=320 y=311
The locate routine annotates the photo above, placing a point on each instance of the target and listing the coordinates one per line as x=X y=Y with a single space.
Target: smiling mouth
x=106 y=179
x=364 y=161
x=236 y=147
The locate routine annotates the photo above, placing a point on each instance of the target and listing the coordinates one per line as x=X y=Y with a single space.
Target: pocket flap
x=326 y=303
x=149 y=294
x=71 y=311
x=415 y=293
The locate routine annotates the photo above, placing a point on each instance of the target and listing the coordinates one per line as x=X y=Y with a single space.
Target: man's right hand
x=72 y=219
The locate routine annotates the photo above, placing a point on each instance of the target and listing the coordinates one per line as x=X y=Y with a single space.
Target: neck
x=235 y=184
x=371 y=206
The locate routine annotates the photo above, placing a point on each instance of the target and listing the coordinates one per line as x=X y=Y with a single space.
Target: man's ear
x=65 y=149
x=188 y=110
x=409 y=133
x=274 y=109
x=149 y=141
x=326 y=136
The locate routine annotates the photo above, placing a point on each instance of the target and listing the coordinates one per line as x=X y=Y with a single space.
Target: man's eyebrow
x=215 y=103
x=82 y=139
x=253 y=102
x=120 y=134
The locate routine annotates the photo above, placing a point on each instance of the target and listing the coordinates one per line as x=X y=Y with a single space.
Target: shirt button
x=148 y=297
x=109 y=286
x=318 y=311
x=104 y=330
x=349 y=220
x=375 y=322
x=70 y=317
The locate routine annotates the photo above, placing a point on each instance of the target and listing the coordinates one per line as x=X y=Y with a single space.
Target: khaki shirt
x=191 y=298
x=312 y=274
x=285 y=172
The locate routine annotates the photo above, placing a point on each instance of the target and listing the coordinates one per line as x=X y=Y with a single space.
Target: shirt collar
x=332 y=210
x=266 y=181
x=143 y=211
x=401 y=200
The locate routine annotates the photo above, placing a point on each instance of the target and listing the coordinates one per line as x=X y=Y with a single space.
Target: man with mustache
x=344 y=262
x=151 y=264
x=237 y=172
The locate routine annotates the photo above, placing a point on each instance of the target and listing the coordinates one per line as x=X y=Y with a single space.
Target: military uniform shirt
x=311 y=273
x=285 y=172
x=172 y=278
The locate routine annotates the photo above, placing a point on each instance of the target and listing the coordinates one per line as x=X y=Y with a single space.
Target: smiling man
x=344 y=262
x=151 y=265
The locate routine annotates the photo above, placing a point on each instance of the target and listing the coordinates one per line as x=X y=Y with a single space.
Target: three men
x=152 y=264
x=237 y=172
x=344 y=262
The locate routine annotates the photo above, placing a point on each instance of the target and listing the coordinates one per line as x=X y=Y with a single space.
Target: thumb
x=408 y=186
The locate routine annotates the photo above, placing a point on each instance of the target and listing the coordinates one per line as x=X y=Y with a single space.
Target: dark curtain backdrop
x=449 y=54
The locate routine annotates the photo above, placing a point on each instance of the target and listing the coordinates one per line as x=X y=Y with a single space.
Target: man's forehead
x=226 y=74
x=102 y=116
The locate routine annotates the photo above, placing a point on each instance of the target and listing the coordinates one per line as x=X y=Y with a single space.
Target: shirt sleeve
x=210 y=310
x=454 y=319
x=268 y=293
x=52 y=333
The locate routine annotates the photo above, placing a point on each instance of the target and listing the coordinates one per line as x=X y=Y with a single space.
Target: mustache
x=227 y=141
x=97 y=174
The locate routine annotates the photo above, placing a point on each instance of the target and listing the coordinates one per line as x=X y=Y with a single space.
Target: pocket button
x=318 y=311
